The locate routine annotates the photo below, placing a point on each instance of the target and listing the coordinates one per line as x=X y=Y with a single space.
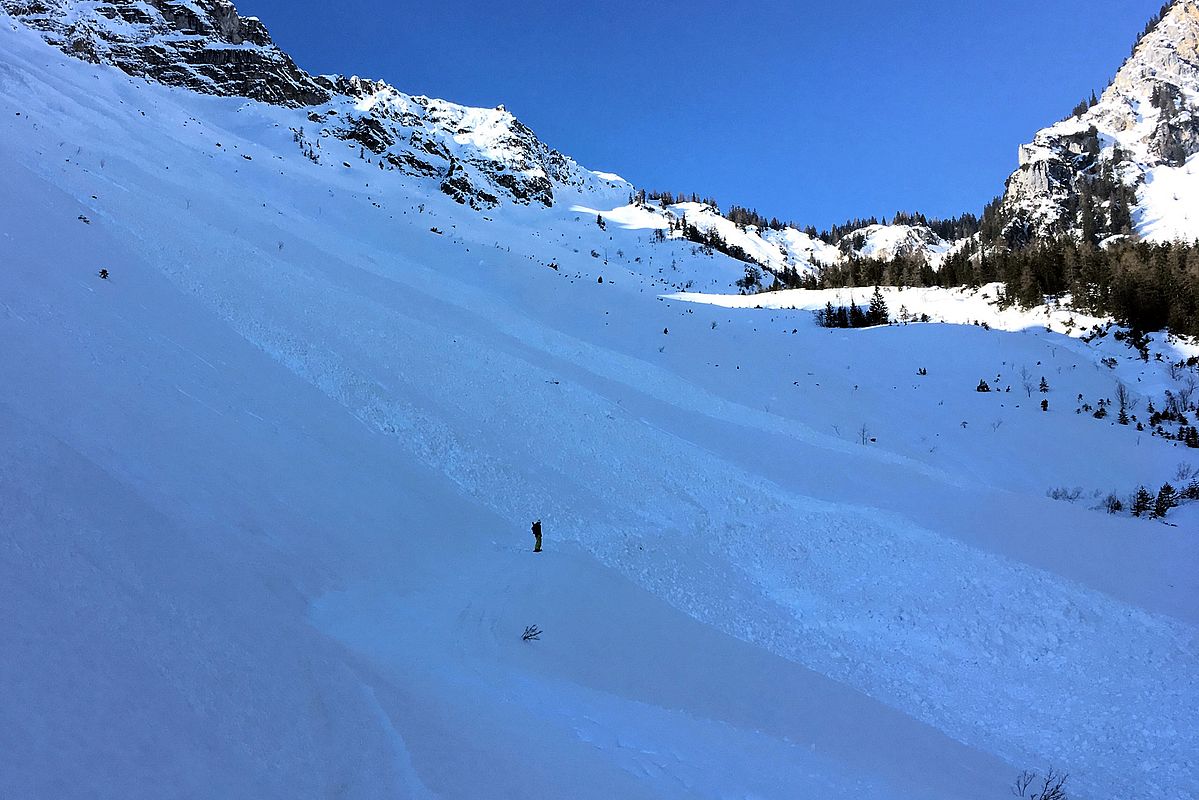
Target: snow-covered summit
x=477 y=156
x=888 y=242
x=1129 y=159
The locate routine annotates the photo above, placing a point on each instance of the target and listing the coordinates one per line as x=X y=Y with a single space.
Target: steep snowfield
x=1168 y=210
x=265 y=497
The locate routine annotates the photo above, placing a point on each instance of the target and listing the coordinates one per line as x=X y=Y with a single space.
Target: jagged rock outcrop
x=477 y=153
x=1081 y=176
x=202 y=45
x=477 y=156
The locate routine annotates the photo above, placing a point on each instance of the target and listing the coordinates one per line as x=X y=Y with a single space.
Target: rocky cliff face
x=480 y=157
x=1086 y=174
x=202 y=45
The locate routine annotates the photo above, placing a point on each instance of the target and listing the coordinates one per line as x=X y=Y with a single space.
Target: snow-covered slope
x=265 y=496
x=778 y=250
x=1144 y=132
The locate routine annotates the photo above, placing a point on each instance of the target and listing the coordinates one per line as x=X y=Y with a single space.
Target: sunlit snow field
x=265 y=498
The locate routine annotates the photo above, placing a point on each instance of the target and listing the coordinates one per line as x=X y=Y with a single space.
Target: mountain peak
x=1167 y=52
x=476 y=156
x=1088 y=175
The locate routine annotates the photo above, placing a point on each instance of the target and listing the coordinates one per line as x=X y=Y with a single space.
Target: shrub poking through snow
x=532 y=634
x=1031 y=786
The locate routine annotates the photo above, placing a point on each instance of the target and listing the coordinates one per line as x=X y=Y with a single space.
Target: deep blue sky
x=812 y=111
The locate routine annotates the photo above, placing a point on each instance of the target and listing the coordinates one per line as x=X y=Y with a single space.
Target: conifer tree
x=1044 y=385
x=878 y=313
x=1167 y=498
x=1192 y=437
x=857 y=317
x=829 y=315
x=1087 y=214
x=1192 y=490
x=1142 y=502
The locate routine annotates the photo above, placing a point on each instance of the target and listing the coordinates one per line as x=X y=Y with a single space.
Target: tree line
x=1146 y=286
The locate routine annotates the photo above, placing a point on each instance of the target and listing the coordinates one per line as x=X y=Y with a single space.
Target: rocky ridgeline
x=477 y=156
x=1148 y=117
x=202 y=45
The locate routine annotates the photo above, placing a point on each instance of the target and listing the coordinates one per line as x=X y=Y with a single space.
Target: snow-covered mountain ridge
x=1130 y=159
x=476 y=156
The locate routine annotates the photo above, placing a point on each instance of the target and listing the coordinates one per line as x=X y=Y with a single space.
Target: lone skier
x=537 y=535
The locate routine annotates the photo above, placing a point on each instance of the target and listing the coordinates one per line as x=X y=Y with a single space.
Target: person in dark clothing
x=537 y=535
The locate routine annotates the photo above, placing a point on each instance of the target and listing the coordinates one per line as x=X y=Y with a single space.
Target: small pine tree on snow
x=1142 y=502
x=857 y=317
x=599 y=220
x=1044 y=385
x=878 y=313
x=1167 y=498
x=1044 y=405
x=1192 y=490
x=1192 y=437
x=828 y=317
x=983 y=386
